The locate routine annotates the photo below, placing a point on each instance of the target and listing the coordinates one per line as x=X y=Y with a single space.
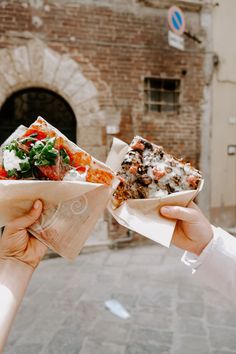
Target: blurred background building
x=98 y=69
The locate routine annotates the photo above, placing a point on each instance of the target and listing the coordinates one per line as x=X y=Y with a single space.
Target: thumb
x=179 y=213
x=27 y=220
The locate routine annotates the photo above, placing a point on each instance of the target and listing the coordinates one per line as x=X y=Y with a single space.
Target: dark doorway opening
x=24 y=106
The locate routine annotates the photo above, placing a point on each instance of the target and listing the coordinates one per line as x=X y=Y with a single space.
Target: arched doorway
x=24 y=106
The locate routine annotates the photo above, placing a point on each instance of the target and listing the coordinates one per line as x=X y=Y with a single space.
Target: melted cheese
x=11 y=161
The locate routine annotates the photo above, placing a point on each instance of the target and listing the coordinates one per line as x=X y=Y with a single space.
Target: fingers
x=180 y=213
x=27 y=220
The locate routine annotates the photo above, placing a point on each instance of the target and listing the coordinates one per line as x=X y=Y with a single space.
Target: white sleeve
x=216 y=265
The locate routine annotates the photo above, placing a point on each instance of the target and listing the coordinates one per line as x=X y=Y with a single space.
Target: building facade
x=223 y=142
x=98 y=69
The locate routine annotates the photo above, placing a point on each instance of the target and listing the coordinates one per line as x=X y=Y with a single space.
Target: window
x=161 y=95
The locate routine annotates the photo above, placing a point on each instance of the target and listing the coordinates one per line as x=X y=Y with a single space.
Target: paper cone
x=142 y=215
x=71 y=208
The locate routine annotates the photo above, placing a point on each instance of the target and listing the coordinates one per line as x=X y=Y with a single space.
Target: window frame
x=147 y=90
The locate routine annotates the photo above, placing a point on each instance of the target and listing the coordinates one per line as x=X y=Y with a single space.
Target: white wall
x=223 y=166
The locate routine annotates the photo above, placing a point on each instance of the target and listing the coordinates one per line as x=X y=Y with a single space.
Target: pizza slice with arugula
x=42 y=152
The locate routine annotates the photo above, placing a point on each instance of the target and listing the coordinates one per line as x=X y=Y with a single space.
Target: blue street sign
x=176 y=20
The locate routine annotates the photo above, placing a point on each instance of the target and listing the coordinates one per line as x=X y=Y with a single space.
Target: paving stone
x=29 y=348
x=158 y=296
x=152 y=249
x=129 y=301
x=65 y=342
x=147 y=335
x=194 y=326
x=116 y=331
x=153 y=260
x=195 y=295
x=153 y=318
x=214 y=299
x=192 y=309
x=220 y=318
x=222 y=338
x=223 y=352
x=97 y=347
x=191 y=344
x=146 y=348
x=118 y=259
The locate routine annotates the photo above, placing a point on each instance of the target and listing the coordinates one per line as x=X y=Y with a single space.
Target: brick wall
x=117 y=46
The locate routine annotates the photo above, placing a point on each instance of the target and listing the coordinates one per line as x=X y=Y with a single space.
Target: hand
x=18 y=244
x=193 y=231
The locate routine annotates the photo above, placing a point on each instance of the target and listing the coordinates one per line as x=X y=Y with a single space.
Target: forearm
x=14 y=278
x=216 y=266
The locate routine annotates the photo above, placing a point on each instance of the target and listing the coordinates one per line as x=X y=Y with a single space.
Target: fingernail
x=165 y=209
x=37 y=204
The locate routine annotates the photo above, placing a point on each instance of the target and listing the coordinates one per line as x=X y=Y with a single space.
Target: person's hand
x=18 y=244
x=193 y=231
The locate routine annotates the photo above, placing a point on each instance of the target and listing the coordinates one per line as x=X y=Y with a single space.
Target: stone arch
x=36 y=65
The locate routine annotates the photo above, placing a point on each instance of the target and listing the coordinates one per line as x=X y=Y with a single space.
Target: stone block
x=191 y=344
x=65 y=71
x=160 y=296
x=190 y=309
x=21 y=60
x=75 y=84
x=4 y=89
x=7 y=68
x=115 y=331
x=91 y=346
x=85 y=93
x=222 y=338
x=147 y=348
x=153 y=317
x=190 y=326
x=218 y=317
x=99 y=152
x=90 y=136
x=196 y=294
x=90 y=119
x=51 y=61
x=65 y=342
x=86 y=108
x=25 y=349
x=152 y=336
x=36 y=53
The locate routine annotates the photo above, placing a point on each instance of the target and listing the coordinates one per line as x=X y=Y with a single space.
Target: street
x=63 y=311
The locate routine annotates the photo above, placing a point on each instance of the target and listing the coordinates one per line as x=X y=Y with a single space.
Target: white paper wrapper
x=71 y=208
x=142 y=215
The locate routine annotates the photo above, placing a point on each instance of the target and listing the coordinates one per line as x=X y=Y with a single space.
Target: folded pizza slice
x=147 y=171
x=42 y=152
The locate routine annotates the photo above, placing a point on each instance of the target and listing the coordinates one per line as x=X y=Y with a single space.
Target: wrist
x=201 y=246
x=14 y=273
x=14 y=279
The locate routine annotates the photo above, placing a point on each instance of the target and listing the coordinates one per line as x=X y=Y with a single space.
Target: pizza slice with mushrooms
x=147 y=171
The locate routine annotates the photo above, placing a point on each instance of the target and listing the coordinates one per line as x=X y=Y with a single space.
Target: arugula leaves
x=65 y=157
x=37 y=153
x=43 y=152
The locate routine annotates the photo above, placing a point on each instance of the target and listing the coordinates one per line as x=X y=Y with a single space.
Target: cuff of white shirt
x=194 y=261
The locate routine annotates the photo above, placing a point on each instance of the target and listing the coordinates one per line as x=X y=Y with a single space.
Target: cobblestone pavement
x=63 y=311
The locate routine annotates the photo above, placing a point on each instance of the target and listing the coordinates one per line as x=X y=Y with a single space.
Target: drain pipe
x=129 y=237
